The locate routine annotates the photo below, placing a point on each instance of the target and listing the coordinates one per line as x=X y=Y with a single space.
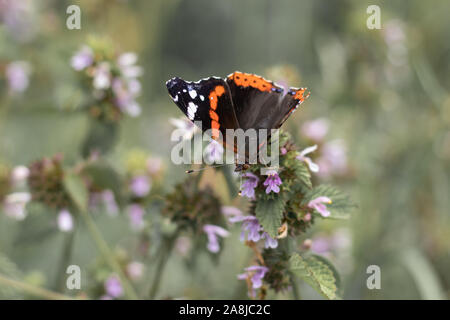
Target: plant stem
x=108 y=254
x=33 y=290
x=65 y=260
x=232 y=189
x=166 y=250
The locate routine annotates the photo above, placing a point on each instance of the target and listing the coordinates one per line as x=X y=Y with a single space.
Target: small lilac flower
x=257 y=273
x=102 y=76
x=316 y=130
x=319 y=205
x=269 y=241
x=213 y=152
x=272 y=182
x=113 y=287
x=19 y=175
x=136 y=215
x=283 y=151
x=135 y=270
x=185 y=126
x=320 y=245
x=212 y=232
x=82 y=59
x=307 y=217
x=230 y=211
x=17 y=75
x=127 y=59
x=65 y=221
x=249 y=185
x=333 y=159
x=312 y=166
x=250 y=225
x=14 y=205
x=140 y=186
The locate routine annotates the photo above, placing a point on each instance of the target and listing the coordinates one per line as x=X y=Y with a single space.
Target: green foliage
x=101 y=137
x=270 y=214
x=318 y=273
x=341 y=204
x=9 y=269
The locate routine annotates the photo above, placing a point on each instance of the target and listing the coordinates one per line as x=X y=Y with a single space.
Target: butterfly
x=240 y=101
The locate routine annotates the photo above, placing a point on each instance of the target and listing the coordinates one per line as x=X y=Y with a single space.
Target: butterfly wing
x=255 y=99
x=207 y=101
x=290 y=102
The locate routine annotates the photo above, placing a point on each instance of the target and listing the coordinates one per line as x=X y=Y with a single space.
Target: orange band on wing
x=251 y=80
x=213 y=100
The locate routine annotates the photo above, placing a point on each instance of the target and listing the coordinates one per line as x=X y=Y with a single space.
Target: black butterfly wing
x=256 y=100
x=290 y=102
x=207 y=101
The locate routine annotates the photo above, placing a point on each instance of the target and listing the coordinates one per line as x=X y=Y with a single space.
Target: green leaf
x=318 y=273
x=9 y=269
x=270 y=214
x=303 y=174
x=77 y=190
x=341 y=203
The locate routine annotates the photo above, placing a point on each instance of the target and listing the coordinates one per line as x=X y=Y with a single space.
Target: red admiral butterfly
x=241 y=101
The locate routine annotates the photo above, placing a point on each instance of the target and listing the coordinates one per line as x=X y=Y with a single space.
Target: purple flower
x=105 y=198
x=316 y=129
x=272 y=182
x=319 y=205
x=102 y=76
x=269 y=241
x=136 y=215
x=256 y=273
x=135 y=270
x=125 y=97
x=113 y=287
x=82 y=59
x=249 y=185
x=213 y=152
x=250 y=226
x=140 y=186
x=185 y=126
x=302 y=157
x=65 y=221
x=230 y=211
x=17 y=74
x=14 y=205
x=333 y=159
x=19 y=175
x=213 y=232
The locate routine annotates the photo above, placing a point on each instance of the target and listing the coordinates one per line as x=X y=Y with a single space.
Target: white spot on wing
x=192 y=109
x=193 y=93
x=202 y=98
x=176 y=98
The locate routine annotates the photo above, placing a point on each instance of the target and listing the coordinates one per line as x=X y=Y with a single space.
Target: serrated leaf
x=317 y=273
x=270 y=214
x=303 y=174
x=77 y=190
x=341 y=203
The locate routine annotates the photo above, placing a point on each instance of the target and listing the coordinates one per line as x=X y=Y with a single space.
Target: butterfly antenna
x=207 y=167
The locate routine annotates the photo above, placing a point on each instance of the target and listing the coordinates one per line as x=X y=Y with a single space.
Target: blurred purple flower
x=319 y=205
x=14 y=205
x=135 y=270
x=213 y=232
x=19 y=175
x=102 y=76
x=302 y=157
x=113 y=287
x=186 y=127
x=65 y=221
x=136 y=215
x=126 y=62
x=333 y=159
x=256 y=273
x=269 y=241
x=250 y=225
x=230 y=211
x=213 y=152
x=272 y=182
x=125 y=98
x=105 y=198
x=17 y=75
x=140 y=186
x=18 y=19
x=82 y=59
x=316 y=129
x=249 y=185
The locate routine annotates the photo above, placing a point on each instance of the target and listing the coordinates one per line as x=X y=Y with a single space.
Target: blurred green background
x=384 y=94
